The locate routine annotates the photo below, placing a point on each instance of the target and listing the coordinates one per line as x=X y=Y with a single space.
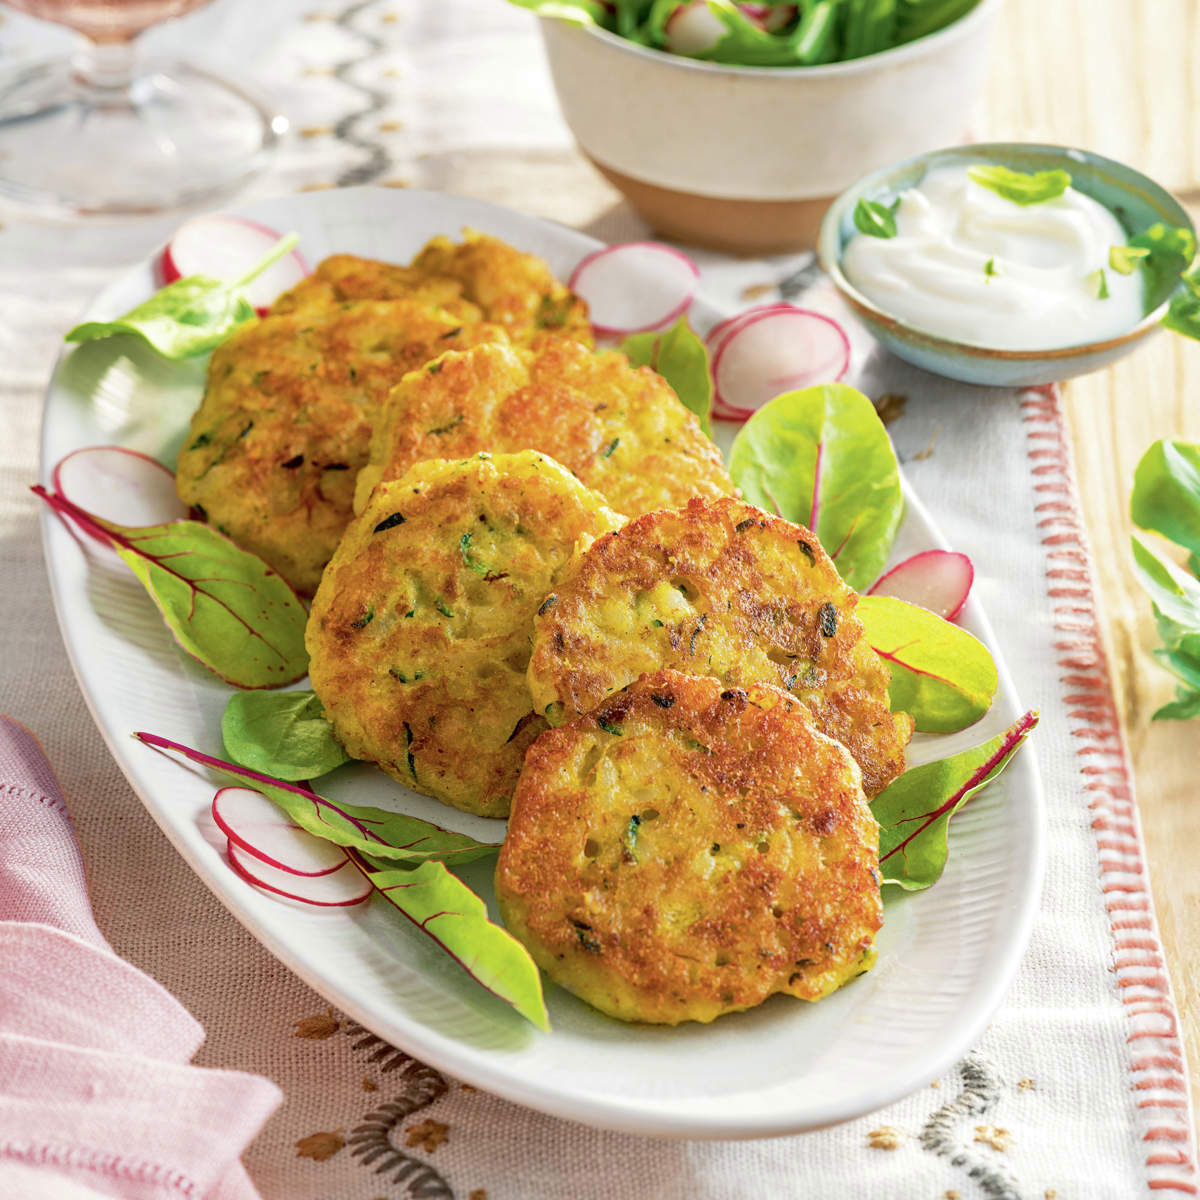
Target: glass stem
x=106 y=66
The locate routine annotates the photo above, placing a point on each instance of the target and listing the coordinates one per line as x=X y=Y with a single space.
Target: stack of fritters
x=695 y=836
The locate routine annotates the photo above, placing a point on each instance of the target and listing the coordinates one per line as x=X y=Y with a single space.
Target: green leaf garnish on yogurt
x=1018 y=186
x=991 y=269
x=875 y=219
x=1100 y=278
x=1124 y=259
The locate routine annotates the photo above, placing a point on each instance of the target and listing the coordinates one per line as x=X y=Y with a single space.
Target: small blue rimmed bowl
x=1136 y=202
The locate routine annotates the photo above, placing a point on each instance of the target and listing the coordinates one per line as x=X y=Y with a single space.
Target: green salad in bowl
x=774 y=33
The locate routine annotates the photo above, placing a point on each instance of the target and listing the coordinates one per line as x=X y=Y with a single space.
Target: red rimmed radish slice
x=118 y=485
x=939 y=580
x=256 y=827
x=774 y=351
x=635 y=286
x=335 y=889
x=715 y=338
x=692 y=29
x=226 y=248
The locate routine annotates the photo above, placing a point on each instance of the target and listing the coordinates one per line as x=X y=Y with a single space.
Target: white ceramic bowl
x=748 y=158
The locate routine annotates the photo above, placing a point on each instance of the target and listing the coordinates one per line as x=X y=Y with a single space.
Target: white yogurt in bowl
x=970 y=265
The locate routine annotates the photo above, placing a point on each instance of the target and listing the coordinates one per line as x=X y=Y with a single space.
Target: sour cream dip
x=971 y=265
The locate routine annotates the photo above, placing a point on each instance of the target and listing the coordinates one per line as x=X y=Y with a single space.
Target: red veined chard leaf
x=821 y=457
x=443 y=907
x=375 y=832
x=941 y=674
x=914 y=812
x=224 y=606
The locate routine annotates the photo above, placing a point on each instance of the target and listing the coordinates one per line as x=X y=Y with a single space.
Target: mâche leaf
x=875 y=219
x=822 y=458
x=374 y=832
x=914 y=812
x=443 y=907
x=941 y=675
x=189 y=316
x=223 y=605
x=1018 y=186
x=284 y=734
x=681 y=358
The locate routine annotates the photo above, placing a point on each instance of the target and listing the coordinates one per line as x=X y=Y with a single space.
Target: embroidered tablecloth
x=1077 y=1090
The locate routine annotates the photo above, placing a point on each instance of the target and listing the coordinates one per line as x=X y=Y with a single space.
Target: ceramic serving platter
x=946 y=956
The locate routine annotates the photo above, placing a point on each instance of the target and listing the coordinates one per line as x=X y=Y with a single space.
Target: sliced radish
x=249 y=820
x=635 y=286
x=226 y=248
x=715 y=338
x=337 y=889
x=776 y=350
x=118 y=485
x=939 y=580
x=769 y=17
x=692 y=29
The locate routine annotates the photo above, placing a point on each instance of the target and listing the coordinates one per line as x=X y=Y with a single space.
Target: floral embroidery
x=887 y=1137
x=319 y=1027
x=429 y=1135
x=320 y=1146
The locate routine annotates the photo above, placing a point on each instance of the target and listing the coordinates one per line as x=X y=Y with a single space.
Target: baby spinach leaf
x=442 y=906
x=223 y=605
x=914 y=812
x=875 y=219
x=189 y=316
x=285 y=734
x=681 y=358
x=1018 y=186
x=373 y=832
x=1166 y=492
x=822 y=458
x=940 y=674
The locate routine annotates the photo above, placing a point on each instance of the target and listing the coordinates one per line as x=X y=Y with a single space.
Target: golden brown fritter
x=719 y=588
x=478 y=278
x=687 y=850
x=620 y=429
x=285 y=424
x=420 y=632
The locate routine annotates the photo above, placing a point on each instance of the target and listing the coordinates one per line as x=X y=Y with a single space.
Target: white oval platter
x=946 y=957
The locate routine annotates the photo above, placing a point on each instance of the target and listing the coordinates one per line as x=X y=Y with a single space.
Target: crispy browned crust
x=687 y=850
x=719 y=588
x=285 y=424
x=420 y=632
x=479 y=278
x=618 y=428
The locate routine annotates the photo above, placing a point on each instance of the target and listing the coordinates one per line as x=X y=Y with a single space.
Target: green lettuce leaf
x=284 y=734
x=189 y=316
x=822 y=458
x=1018 y=186
x=680 y=356
x=377 y=834
x=914 y=812
x=577 y=12
x=223 y=605
x=940 y=674
x=443 y=907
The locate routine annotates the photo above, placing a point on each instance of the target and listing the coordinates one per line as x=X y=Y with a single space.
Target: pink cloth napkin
x=96 y=1094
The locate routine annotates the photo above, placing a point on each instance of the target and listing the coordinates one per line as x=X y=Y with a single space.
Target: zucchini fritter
x=285 y=423
x=620 y=429
x=685 y=851
x=495 y=281
x=719 y=588
x=420 y=632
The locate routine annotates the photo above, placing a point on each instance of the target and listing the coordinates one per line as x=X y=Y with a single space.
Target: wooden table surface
x=1121 y=78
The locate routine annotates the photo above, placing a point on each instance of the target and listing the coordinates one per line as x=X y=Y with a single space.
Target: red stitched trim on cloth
x=100 y=1162
x=1156 y=1053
